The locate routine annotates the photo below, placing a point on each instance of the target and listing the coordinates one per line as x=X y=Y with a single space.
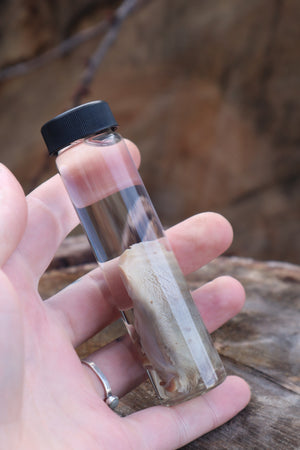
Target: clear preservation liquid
x=118 y=221
x=161 y=318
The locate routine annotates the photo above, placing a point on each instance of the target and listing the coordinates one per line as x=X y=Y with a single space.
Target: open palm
x=49 y=400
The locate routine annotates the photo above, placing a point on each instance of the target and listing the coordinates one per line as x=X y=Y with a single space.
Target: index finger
x=51 y=216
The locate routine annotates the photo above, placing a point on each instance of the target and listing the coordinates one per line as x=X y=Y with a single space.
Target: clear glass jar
x=141 y=271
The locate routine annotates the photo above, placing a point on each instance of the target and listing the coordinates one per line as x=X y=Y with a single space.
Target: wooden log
x=74 y=250
x=261 y=344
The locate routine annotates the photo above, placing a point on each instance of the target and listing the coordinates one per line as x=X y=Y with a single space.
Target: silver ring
x=111 y=400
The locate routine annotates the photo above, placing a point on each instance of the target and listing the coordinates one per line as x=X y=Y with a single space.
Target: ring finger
x=224 y=295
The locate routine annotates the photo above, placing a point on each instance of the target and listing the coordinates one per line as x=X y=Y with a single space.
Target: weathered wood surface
x=261 y=344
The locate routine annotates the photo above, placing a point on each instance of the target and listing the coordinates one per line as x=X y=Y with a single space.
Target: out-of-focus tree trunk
x=209 y=91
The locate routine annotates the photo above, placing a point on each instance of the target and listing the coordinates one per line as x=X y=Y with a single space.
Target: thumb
x=13 y=213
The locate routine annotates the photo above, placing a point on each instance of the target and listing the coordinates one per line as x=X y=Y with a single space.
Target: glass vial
x=129 y=243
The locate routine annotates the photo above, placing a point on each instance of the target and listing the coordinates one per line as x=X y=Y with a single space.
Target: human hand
x=48 y=398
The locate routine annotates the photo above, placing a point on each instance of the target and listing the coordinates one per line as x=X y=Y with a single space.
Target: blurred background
x=209 y=91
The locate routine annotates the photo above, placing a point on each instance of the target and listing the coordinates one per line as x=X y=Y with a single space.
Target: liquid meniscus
x=124 y=218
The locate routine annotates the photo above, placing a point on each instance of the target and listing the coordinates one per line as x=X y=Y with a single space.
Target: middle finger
x=85 y=307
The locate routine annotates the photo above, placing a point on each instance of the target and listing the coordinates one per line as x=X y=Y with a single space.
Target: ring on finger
x=111 y=400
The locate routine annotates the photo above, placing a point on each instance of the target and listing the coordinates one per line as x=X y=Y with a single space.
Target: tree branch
x=60 y=50
x=124 y=10
x=71 y=43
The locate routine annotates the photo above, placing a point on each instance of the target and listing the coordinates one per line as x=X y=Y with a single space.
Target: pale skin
x=49 y=400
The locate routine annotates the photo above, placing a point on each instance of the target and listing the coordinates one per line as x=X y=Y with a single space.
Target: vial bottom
x=174 y=345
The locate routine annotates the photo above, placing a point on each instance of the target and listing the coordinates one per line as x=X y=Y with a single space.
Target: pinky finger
x=169 y=428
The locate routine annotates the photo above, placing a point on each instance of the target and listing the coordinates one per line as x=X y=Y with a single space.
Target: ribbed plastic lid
x=77 y=123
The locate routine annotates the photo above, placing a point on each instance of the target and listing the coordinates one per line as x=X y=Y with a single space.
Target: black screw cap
x=77 y=123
